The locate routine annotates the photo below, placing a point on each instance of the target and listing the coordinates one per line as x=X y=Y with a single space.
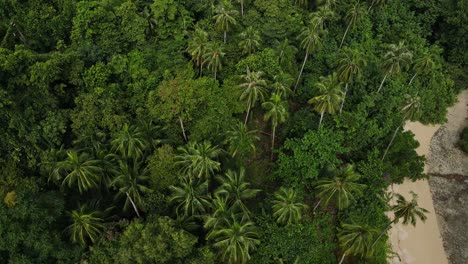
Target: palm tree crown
x=214 y=57
x=329 y=97
x=356 y=240
x=240 y=140
x=409 y=210
x=129 y=142
x=398 y=57
x=197 y=46
x=224 y=19
x=190 y=197
x=252 y=89
x=250 y=40
x=286 y=206
x=198 y=159
x=86 y=227
x=354 y=14
x=81 y=171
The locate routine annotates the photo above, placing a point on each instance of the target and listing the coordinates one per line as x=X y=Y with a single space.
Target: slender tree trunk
x=317 y=205
x=383 y=232
x=242 y=8
x=370 y=7
x=273 y=141
x=344 y=97
x=321 y=117
x=391 y=142
x=201 y=69
x=133 y=204
x=225 y=35
x=183 y=129
x=414 y=76
x=215 y=73
x=248 y=112
x=300 y=73
x=381 y=84
x=342 y=258
x=344 y=36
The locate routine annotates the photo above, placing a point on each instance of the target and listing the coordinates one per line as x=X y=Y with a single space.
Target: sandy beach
x=423 y=244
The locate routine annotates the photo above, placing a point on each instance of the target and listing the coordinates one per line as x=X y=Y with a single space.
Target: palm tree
x=214 y=57
x=252 y=89
x=190 y=197
x=240 y=140
x=341 y=189
x=86 y=226
x=302 y=3
x=410 y=111
x=197 y=47
x=282 y=85
x=285 y=51
x=329 y=97
x=408 y=210
x=330 y=3
x=319 y=17
x=129 y=142
x=350 y=64
x=198 y=159
x=423 y=65
x=311 y=40
x=233 y=185
x=250 y=40
x=236 y=239
x=151 y=21
x=286 y=206
x=130 y=180
x=241 y=2
x=224 y=20
x=80 y=170
x=356 y=240
x=397 y=58
x=376 y=3
x=354 y=14
x=221 y=211
x=277 y=112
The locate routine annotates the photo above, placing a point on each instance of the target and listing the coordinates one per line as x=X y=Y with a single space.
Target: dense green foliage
x=211 y=131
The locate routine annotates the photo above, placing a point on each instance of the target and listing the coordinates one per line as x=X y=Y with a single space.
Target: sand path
x=423 y=244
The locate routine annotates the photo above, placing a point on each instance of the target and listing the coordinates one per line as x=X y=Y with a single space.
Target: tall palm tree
x=282 y=85
x=277 y=112
x=285 y=51
x=197 y=47
x=286 y=206
x=224 y=19
x=240 y=140
x=221 y=212
x=253 y=89
x=408 y=210
x=410 y=111
x=236 y=239
x=354 y=14
x=214 y=57
x=397 y=58
x=318 y=18
x=329 y=97
x=350 y=64
x=250 y=40
x=241 y=2
x=311 y=40
x=130 y=180
x=233 y=185
x=129 y=142
x=80 y=170
x=356 y=240
x=190 y=197
x=198 y=159
x=341 y=189
x=86 y=226
x=151 y=21
x=423 y=65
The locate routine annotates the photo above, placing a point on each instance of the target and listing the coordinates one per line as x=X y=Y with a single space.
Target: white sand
x=423 y=244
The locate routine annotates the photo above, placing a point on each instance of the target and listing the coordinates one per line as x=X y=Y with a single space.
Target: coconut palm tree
x=397 y=58
x=408 y=210
x=240 y=140
x=350 y=64
x=282 y=84
x=411 y=110
x=87 y=226
x=241 y=2
x=341 y=189
x=198 y=159
x=221 y=212
x=277 y=112
x=253 y=89
x=129 y=142
x=151 y=21
x=190 y=197
x=80 y=170
x=319 y=17
x=311 y=40
x=286 y=206
x=224 y=20
x=214 y=57
x=354 y=14
x=236 y=239
x=356 y=240
x=423 y=65
x=285 y=51
x=233 y=185
x=250 y=40
x=329 y=97
x=197 y=47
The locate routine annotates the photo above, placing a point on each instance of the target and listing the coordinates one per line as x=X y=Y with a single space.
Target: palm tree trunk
x=344 y=97
x=414 y=76
x=183 y=129
x=201 y=69
x=370 y=7
x=344 y=35
x=242 y=8
x=383 y=232
x=215 y=73
x=317 y=205
x=225 y=35
x=381 y=84
x=391 y=142
x=321 y=117
x=248 y=111
x=342 y=258
x=300 y=73
x=273 y=141
x=133 y=204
